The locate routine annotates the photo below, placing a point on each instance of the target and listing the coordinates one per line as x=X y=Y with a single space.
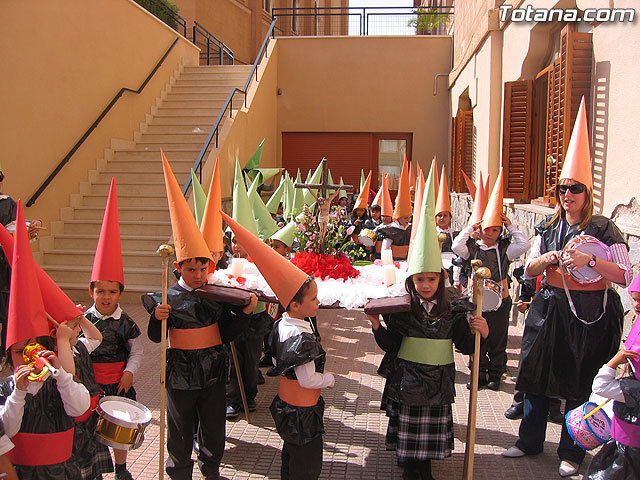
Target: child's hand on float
x=622 y=356
x=253 y=302
x=20 y=377
x=479 y=324
x=375 y=321
x=162 y=312
x=126 y=381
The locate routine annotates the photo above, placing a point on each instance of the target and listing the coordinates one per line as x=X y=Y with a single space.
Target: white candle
x=237 y=266
x=387 y=257
x=389 y=272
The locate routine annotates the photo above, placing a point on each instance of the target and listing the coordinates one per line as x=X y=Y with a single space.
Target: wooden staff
x=165 y=251
x=479 y=275
x=234 y=354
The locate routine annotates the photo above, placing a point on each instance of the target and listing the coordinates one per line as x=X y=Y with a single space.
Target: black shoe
x=494 y=385
x=124 y=475
x=233 y=412
x=251 y=405
x=482 y=382
x=260 y=378
x=556 y=417
x=272 y=372
x=514 y=411
x=265 y=362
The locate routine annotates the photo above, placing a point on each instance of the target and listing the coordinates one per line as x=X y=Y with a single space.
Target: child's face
x=635 y=301
x=106 y=296
x=193 y=272
x=443 y=220
x=309 y=305
x=359 y=212
x=343 y=202
x=426 y=284
x=237 y=249
x=404 y=221
x=375 y=214
x=280 y=247
x=490 y=235
x=386 y=219
x=16 y=353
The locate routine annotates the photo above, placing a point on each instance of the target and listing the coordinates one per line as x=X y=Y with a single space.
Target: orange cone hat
x=26 y=318
x=479 y=203
x=577 y=160
x=363 y=198
x=386 y=207
x=107 y=264
x=211 y=227
x=436 y=179
x=56 y=302
x=470 y=186
x=417 y=213
x=444 y=203
x=412 y=178
x=493 y=213
x=403 y=199
x=187 y=238
x=284 y=278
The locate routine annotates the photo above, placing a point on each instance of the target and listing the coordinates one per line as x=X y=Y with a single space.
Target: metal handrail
x=212 y=39
x=228 y=104
x=73 y=150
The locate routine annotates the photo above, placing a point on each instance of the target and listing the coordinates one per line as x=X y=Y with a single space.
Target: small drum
x=592 y=246
x=122 y=422
x=367 y=237
x=592 y=432
x=491 y=296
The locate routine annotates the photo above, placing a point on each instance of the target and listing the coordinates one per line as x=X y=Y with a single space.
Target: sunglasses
x=575 y=189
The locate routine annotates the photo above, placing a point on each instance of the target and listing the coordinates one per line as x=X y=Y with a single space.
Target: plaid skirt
x=419 y=432
x=102 y=463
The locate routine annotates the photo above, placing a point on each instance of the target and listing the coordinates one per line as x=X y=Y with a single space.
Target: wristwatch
x=592 y=262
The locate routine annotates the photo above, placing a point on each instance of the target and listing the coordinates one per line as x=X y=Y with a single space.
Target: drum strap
x=41 y=448
x=573 y=307
x=428 y=351
x=92 y=406
x=291 y=392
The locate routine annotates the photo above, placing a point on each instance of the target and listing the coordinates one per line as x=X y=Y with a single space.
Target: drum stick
x=599 y=407
x=165 y=251
x=479 y=275
x=245 y=405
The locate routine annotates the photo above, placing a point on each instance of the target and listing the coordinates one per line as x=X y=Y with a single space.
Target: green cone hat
x=343 y=193
x=254 y=161
x=425 y=256
x=362 y=179
x=241 y=211
x=287 y=201
x=276 y=197
x=199 y=198
x=298 y=200
x=316 y=177
x=286 y=234
x=265 y=223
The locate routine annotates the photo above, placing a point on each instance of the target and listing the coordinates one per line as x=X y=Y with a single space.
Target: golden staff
x=479 y=275
x=165 y=251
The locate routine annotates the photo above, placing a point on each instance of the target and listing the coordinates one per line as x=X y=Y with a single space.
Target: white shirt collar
x=447 y=230
x=428 y=304
x=297 y=322
x=184 y=285
x=115 y=315
x=397 y=224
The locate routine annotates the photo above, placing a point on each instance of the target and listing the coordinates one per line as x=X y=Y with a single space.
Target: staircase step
x=184 y=120
x=143 y=178
x=168 y=146
x=205 y=96
x=148 y=165
x=154 y=154
x=221 y=83
x=96 y=200
x=217 y=68
x=200 y=128
x=138 y=213
x=82 y=273
x=127 y=227
x=179 y=112
x=85 y=257
x=79 y=291
x=102 y=188
x=211 y=87
x=128 y=242
x=198 y=75
x=181 y=103
x=173 y=137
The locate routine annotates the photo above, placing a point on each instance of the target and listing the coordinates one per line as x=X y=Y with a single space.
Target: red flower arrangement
x=325 y=266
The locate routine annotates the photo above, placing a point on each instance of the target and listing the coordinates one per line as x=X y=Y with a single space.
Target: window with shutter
x=462 y=151
x=516 y=139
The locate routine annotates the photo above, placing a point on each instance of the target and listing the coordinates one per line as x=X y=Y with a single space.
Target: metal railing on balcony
x=363 y=21
x=213 y=51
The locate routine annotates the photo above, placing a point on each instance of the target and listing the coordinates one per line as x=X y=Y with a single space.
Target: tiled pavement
x=354 y=442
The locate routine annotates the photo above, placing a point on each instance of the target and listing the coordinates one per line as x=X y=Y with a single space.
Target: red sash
x=92 y=406
x=108 y=373
x=33 y=449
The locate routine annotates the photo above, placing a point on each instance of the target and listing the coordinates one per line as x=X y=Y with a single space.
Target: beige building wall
x=59 y=77
x=356 y=84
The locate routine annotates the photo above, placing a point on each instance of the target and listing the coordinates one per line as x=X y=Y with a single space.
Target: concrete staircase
x=179 y=125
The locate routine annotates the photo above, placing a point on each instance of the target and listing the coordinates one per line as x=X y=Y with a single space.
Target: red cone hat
x=56 y=302
x=187 y=238
x=211 y=227
x=26 y=317
x=284 y=278
x=107 y=264
x=577 y=160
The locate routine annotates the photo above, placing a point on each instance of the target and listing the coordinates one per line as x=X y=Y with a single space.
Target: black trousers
x=493 y=350
x=302 y=462
x=248 y=351
x=183 y=406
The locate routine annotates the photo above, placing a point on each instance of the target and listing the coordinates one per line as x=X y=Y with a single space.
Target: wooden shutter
x=569 y=81
x=516 y=138
x=462 y=152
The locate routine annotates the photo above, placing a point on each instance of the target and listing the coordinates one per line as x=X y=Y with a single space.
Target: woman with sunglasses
x=572 y=328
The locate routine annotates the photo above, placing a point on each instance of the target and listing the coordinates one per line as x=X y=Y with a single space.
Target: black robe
x=204 y=367
x=296 y=425
x=560 y=354
x=398 y=236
